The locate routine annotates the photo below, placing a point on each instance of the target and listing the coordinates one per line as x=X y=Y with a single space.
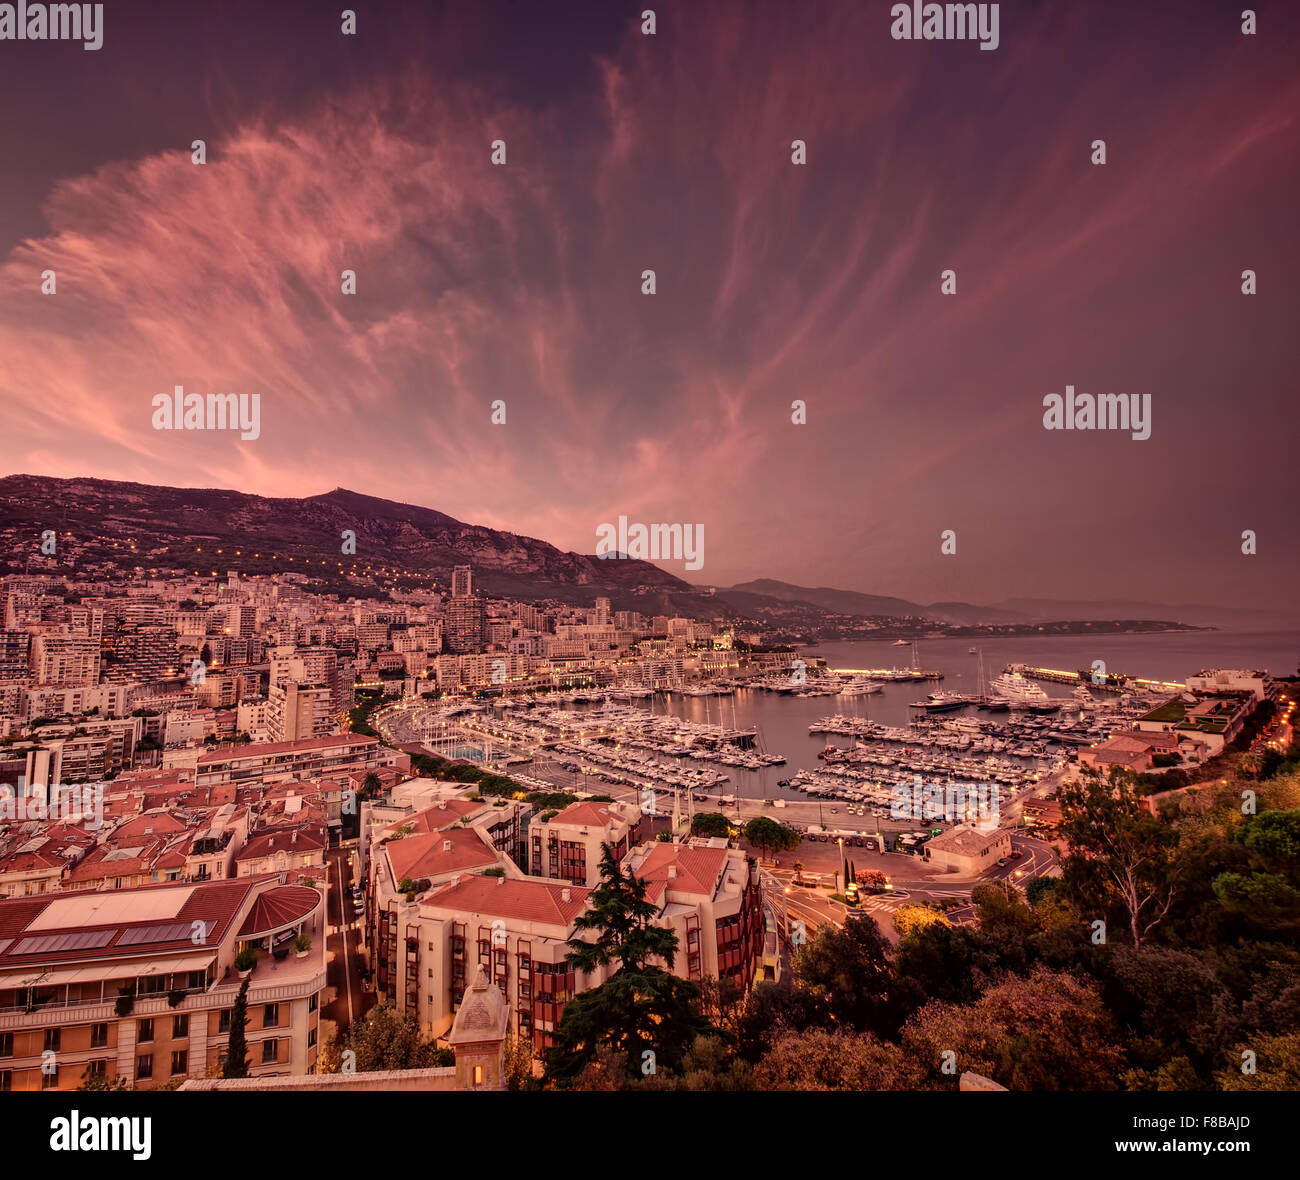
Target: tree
x=769 y=836
x=90 y=1080
x=711 y=823
x=642 y=1014
x=1270 y=891
x=1047 y=1032
x=370 y=785
x=1001 y=907
x=776 y=1006
x=387 y=1039
x=908 y=919
x=623 y=923
x=236 y=1065
x=1277 y=1065
x=849 y=970
x=822 y=1060
x=1119 y=854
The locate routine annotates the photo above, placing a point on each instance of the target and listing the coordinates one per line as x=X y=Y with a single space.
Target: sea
x=782 y=721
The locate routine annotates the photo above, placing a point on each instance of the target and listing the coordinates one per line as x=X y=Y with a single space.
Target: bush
x=246 y=960
x=175 y=996
x=125 y=1001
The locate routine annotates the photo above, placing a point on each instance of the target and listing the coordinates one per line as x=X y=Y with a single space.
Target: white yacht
x=1013 y=687
x=858 y=686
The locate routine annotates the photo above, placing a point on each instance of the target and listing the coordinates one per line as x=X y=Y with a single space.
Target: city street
x=343 y=968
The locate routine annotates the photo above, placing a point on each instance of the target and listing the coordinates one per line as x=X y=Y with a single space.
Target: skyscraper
x=462 y=582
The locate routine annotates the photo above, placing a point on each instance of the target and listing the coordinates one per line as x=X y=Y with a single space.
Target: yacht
x=941 y=702
x=900 y=643
x=1013 y=687
x=859 y=686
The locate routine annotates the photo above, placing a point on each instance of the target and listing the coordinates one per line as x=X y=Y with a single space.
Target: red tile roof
x=523 y=901
x=216 y=903
x=596 y=815
x=425 y=855
x=441 y=815
x=277 y=908
x=296 y=840
x=698 y=869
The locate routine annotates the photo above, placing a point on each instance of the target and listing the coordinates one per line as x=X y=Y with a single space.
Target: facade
x=139 y=983
x=968 y=850
x=517 y=929
x=308 y=758
x=569 y=845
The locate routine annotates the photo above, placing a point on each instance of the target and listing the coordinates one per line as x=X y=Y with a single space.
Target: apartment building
x=306 y=758
x=518 y=929
x=569 y=845
x=139 y=983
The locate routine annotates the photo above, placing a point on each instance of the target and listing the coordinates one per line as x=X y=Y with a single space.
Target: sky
x=775 y=281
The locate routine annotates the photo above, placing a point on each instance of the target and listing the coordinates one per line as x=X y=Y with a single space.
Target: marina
x=849 y=729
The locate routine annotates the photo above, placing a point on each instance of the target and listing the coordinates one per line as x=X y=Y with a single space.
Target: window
x=312 y=1002
x=311 y=1037
x=144 y=1067
x=223 y=1021
x=50 y=1081
x=268 y=1052
x=180 y=1026
x=98 y=1068
x=6 y=1044
x=53 y=1039
x=6 y=1080
x=478 y=1075
x=145 y=1035
x=99 y=1036
x=180 y=1062
x=198 y=980
x=271 y=1016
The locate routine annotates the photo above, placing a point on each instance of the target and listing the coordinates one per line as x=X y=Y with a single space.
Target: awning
x=98 y=972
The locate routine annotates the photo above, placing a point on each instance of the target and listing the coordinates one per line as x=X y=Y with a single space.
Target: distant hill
x=167 y=526
x=844 y=602
x=1012 y=610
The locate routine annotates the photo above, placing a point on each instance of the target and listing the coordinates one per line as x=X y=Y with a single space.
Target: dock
x=891 y=674
x=1113 y=681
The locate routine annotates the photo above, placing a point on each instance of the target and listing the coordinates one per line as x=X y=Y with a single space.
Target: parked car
x=1002 y=860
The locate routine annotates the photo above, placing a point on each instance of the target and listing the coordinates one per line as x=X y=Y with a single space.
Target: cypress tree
x=236 y=1065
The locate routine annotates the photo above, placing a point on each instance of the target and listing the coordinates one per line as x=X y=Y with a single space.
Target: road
x=343 y=940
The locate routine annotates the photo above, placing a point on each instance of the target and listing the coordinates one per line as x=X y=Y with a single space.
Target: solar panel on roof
x=76 y=940
x=171 y=932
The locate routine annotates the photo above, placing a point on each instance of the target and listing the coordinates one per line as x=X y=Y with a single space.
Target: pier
x=891 y=674
x=1111 y=682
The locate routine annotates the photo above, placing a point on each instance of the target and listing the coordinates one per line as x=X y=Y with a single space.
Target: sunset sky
x=775 y=282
